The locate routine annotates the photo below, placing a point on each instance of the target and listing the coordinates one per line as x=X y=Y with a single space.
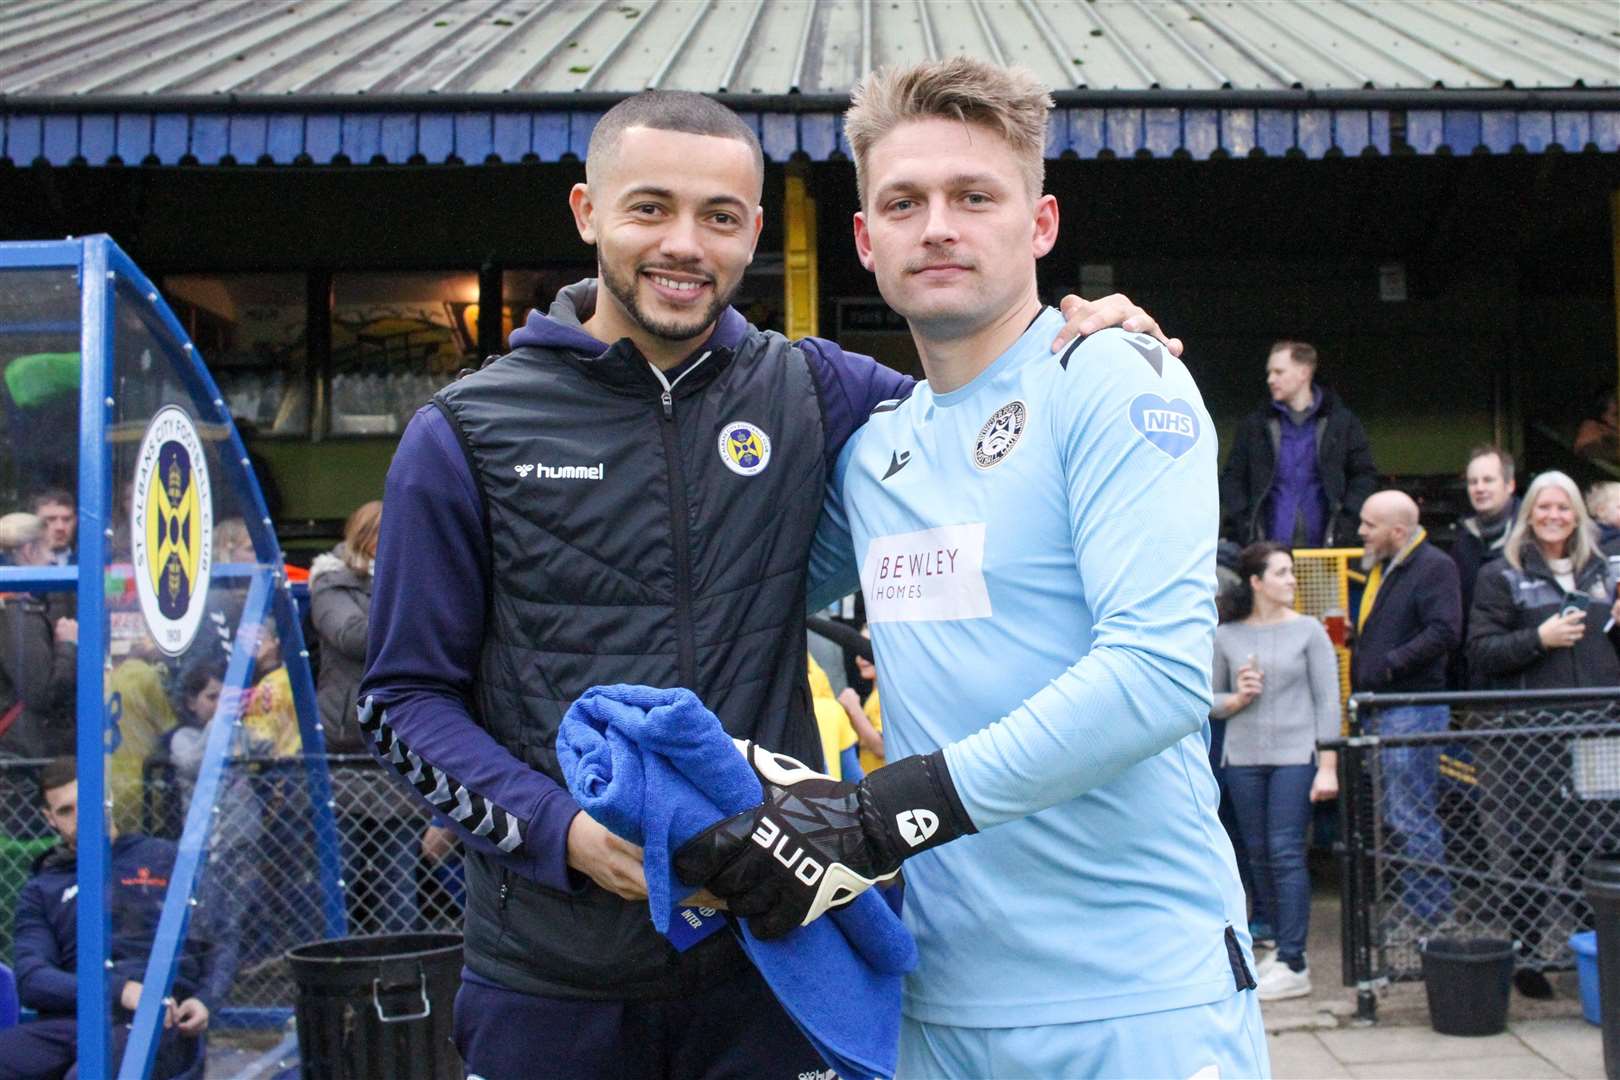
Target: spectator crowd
x=1525 y=599
x=259 y=890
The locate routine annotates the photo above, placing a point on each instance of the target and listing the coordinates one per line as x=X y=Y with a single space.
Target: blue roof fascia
x=250 y=137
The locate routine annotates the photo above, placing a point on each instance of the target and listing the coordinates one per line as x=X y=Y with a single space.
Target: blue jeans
x=1273 y=808
x=1258 y=913
x=1410 y=776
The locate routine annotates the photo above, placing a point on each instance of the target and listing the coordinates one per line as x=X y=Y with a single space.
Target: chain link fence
x=1471 y=815
x=260 y=891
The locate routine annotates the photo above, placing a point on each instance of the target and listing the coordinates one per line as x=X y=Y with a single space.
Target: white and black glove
x=817 y=843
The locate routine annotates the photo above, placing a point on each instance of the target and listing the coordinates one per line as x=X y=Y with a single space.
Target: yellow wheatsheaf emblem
x=171 y=534
x=171 y=529
x=744 y=447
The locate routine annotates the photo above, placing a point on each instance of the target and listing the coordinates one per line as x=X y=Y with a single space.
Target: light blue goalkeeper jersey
x=1037 y=554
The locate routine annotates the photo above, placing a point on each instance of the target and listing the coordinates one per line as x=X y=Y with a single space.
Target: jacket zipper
x=686 y=646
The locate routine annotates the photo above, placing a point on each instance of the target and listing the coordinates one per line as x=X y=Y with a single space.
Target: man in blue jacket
x=628 y=496
x=46 y=949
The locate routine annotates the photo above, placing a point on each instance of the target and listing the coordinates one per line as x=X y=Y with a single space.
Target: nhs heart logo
x=1172 y=426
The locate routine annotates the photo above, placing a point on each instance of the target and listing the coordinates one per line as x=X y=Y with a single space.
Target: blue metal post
x=95 y=526
x=177 y=901
x=296 y=656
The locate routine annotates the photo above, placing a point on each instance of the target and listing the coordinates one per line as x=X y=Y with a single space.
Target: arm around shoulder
x=851 y=385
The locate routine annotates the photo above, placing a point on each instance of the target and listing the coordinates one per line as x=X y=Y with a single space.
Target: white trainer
x=1264 y=962
x=1281 y=982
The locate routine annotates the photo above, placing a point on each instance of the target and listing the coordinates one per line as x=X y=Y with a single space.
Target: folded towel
x=656 y=768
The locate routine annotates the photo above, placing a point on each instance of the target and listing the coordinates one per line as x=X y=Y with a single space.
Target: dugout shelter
x=118 y=407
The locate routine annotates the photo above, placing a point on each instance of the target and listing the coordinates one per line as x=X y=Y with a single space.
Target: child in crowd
x=866 y=717
x=838 y=738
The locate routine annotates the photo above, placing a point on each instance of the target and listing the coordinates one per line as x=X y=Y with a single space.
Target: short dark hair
x=1298 y=351
x=54 y=496
x=1486 y=450
x=196 y=676
x=58 y=772
x=671 y=110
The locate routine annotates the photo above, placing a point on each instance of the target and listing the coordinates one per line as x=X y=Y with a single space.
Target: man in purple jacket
x=1300 y=466
x=628 y=496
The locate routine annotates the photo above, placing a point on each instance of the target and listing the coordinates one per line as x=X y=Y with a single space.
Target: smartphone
x=1574 y=602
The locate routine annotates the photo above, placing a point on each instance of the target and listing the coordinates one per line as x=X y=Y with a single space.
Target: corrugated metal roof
x=382 y=48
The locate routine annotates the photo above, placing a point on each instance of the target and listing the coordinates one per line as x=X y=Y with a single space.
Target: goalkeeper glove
x=817 y=843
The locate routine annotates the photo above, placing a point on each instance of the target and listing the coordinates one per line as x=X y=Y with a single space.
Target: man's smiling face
x=675 y=218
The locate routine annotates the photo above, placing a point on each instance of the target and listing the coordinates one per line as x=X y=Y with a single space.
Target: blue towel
x=655 y=768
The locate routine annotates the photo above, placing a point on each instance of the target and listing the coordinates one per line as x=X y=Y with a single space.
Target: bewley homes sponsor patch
x=932 y=575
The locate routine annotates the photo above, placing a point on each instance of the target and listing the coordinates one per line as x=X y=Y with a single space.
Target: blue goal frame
x=107 y=279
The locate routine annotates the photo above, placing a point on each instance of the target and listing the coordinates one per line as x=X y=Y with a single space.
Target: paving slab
x=1570 y=1043
x=1300 y=1055
x=1306 y=1014
x=1528 y=1067
x=1371 y=1045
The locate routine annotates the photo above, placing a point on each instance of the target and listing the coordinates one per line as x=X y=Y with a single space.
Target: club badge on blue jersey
x=1172 y=426
x=745 y=448
x=1000 y=434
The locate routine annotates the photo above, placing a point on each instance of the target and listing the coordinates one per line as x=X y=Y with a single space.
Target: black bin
x=1468 y=982
x=378 y=1007
x=1602 y=876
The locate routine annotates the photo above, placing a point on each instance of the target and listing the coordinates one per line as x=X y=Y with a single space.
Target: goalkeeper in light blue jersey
x=1035 y=539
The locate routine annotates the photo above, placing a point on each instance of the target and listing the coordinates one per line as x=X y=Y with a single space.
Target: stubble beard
x=624 y=291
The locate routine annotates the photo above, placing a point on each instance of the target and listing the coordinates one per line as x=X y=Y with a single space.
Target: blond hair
x=1011 y=101
x=1582 y=542
x=19 y=529
x=230 y=536
x=360 y=536
x=1601 y=499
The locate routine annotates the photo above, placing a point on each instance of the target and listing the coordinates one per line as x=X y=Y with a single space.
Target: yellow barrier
x=1323 y=578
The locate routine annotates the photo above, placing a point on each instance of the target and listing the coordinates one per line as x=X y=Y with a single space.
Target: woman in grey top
x=1277 y=686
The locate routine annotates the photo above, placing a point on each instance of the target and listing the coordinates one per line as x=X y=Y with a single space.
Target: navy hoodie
x=46 y=946
x=430 y=594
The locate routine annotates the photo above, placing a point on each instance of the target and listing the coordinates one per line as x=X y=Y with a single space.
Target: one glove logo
x=769 y=836
x=916 y=825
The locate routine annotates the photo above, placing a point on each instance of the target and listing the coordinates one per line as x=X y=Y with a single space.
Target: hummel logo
x=916 y=825
x=562 y=472
x=897 y=461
